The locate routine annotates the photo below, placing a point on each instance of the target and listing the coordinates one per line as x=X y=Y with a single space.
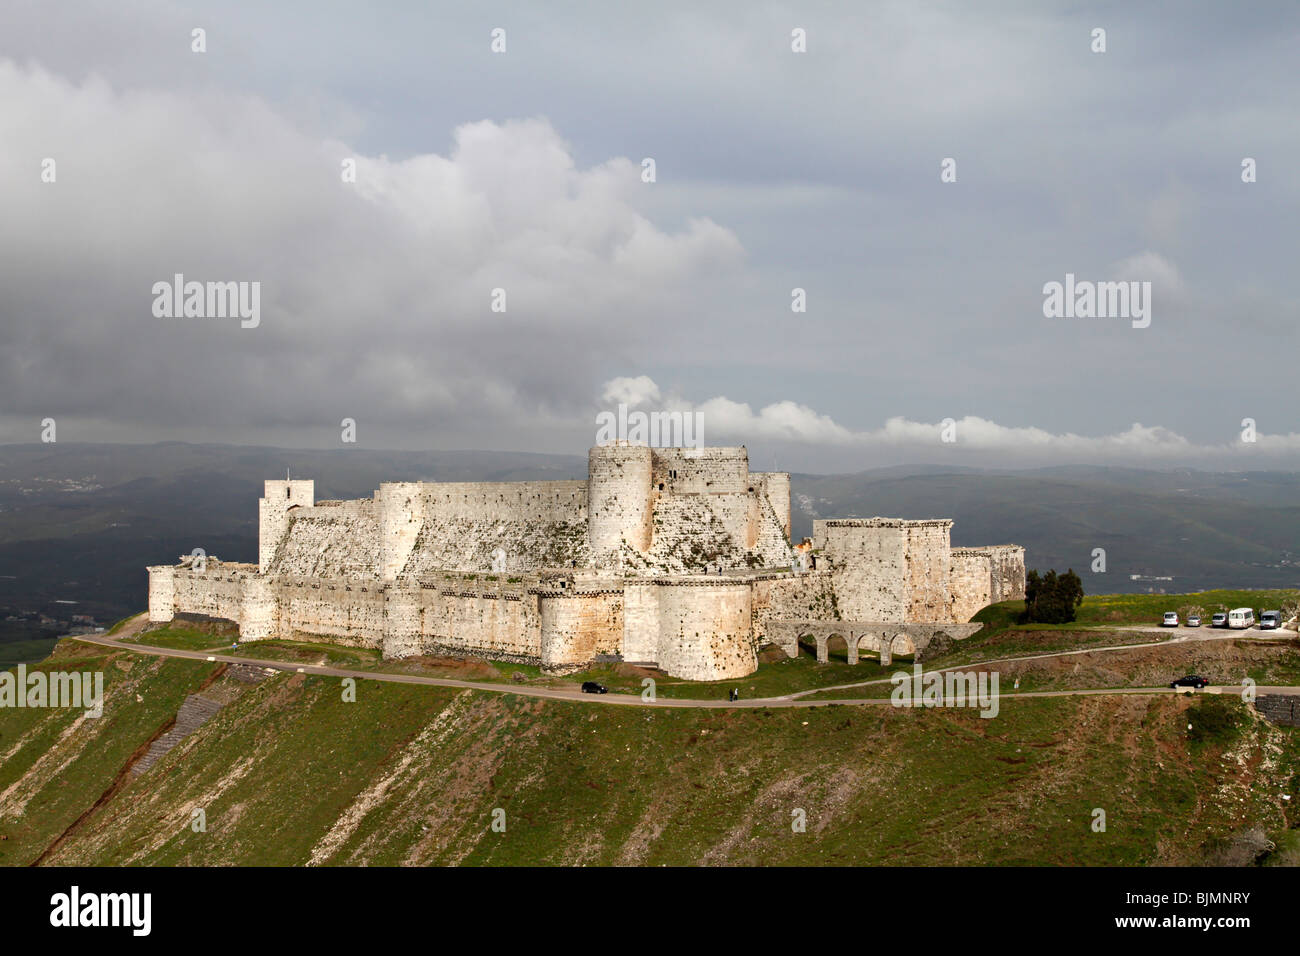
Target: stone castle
x=677 y=558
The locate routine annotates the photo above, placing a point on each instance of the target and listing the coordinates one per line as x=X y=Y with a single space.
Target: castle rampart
x=678 y=558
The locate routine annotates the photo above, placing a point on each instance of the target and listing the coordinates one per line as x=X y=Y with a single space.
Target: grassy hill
x=288 y=773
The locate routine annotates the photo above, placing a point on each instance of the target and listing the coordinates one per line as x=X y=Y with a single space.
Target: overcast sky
x=775 y=170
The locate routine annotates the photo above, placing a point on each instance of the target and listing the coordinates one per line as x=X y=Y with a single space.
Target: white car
x=1171 y=619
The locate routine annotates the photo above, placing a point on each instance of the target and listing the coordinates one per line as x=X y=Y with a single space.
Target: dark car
x=1220 y=620
x=591 y=687
x=1191 y=680
x=1270 y=620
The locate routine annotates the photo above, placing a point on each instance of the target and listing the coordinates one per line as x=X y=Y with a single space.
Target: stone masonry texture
x=678 y=558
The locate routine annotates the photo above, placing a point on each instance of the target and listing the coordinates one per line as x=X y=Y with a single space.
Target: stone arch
x=894 y=642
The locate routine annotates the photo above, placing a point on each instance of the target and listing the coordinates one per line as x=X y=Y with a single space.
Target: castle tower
x=401 y=515
x=620 y=505
x=273 y=514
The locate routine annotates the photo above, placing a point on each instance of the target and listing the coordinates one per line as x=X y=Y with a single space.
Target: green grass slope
x=289 y=773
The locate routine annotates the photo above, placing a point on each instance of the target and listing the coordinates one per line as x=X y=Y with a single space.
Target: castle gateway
x=678 y=558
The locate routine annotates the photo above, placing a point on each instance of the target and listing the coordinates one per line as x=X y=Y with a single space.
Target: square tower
x=278 y=499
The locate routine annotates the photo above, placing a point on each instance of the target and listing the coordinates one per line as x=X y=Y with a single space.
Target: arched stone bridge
x=880 y=636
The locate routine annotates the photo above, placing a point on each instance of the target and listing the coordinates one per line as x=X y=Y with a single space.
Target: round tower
x=620 y=506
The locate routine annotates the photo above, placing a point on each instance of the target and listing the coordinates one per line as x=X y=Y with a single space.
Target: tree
x=1051 y=598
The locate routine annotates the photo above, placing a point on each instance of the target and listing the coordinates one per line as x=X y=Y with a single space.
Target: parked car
x=1241 y=617
x=1171 y=619
x=1220 y=619
x=1270 y=620
x=1193 y=620
x=1191 y=680
x=591 y=687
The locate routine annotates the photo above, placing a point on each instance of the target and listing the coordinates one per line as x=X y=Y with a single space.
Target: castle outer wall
x=673 y=558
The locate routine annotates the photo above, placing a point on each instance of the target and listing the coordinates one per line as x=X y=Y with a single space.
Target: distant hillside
x=1204 y=530
x=81 y=522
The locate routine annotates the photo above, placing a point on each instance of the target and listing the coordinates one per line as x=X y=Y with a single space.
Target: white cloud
x=789 y=422
x=1147 y=266
x=631 y=391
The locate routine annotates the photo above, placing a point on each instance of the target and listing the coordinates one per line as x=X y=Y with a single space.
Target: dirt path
x=634 y=700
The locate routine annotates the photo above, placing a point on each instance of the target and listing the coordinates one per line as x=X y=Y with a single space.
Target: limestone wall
x=403 y=619
x=888 y=569
x=162 y=593
x=705 y=629
x=640 y=621
x=971 y=578
x=576 y=625
x=333 y=539
x=792 y=597
x=349 y=612
x=461 y=544
x=695 y=534
x=485 y=501
x=400 y=506
x=482 y=619
x=928 y=597
x=1007 y=572
x=869 y=563
x=215 y=592
x=775 y=487
x=260 y=614
x=984 y=576
x=701 y=470
x=619 y=499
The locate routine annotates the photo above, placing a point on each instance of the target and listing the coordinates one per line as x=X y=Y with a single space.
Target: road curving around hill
x=798 y=699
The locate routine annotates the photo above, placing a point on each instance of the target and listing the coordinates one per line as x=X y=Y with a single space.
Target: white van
x=1241 y=617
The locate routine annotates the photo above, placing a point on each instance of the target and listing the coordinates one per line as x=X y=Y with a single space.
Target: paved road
x=634 y=700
